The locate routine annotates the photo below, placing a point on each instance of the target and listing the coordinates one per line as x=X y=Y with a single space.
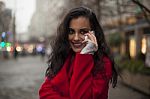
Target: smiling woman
x=80 y=65
x=78 y=28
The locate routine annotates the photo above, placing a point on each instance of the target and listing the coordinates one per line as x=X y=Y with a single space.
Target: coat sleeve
x=47 y=91
x=83 y=85
x=58 y=86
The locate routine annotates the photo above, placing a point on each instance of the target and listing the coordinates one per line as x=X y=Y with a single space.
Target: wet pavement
x=21 y=79
x=124 y=92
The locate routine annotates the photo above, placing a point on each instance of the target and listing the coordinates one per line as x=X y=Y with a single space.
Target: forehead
x=80 y=22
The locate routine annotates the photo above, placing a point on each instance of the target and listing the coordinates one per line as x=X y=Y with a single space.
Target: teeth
x=77 y=44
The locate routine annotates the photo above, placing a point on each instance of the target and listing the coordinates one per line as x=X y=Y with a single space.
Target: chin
x=76 y=50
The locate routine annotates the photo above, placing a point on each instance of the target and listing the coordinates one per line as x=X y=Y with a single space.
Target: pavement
x=21 y=79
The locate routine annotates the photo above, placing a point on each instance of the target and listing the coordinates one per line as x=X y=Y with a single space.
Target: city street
x=21 y=78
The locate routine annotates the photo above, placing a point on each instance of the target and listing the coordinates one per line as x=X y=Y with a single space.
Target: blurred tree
x=115 y=39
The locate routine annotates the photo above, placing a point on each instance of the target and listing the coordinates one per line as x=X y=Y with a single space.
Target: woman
x=80 y=65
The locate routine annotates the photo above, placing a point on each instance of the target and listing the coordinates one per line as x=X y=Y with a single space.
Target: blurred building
x=46 y=18
x=127 y=18
x=6 y=36
x=43 y=25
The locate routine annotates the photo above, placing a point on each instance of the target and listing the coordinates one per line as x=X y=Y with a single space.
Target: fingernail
x=86 y=37
x=93 y=32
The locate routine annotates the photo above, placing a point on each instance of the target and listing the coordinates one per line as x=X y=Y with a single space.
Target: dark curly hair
x=61 y=47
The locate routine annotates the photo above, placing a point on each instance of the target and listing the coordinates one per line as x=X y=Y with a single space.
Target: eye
x=71 y=31
x=83 y=31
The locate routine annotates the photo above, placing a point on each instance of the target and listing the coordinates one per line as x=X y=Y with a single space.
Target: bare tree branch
x=141 y=5
x=144 y=9
x=146 y=16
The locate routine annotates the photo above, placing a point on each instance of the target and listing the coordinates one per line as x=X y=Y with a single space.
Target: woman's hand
x=91 y=45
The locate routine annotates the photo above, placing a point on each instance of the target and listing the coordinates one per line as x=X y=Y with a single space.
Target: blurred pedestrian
x=80 y=65
x=15 y=53
x=42 y=53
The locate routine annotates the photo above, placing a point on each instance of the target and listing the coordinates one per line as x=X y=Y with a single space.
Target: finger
x=90 y=37
x=85 y=41
x=93 y=35
x=92 y=32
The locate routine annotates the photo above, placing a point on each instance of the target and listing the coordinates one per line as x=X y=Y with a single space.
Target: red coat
x=78 y=83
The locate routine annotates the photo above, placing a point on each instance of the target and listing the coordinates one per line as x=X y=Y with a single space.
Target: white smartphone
x=93 y=32
x=86 y=37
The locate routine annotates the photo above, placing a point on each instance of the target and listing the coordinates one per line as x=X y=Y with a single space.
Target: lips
x=77 y=45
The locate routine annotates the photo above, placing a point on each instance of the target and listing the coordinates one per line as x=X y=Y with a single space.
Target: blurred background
x=28 y=26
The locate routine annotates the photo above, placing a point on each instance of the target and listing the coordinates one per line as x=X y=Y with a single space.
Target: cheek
x=70 y=38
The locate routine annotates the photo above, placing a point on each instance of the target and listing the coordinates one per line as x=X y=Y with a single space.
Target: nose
x=76 y=36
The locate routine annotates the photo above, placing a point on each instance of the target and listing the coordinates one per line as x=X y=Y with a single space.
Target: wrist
x=90 y=48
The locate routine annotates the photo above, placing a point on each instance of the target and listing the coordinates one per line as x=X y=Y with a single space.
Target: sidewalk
x=21 y=79
x=124 y=92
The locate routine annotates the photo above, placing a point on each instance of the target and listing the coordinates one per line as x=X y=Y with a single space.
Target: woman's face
x=78 y=27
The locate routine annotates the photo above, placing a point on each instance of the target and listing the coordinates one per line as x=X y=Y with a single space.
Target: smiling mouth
x=77 y=45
